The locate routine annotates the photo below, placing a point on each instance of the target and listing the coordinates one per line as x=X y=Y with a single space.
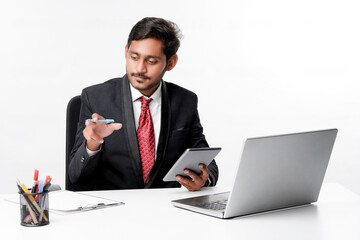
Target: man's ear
x=126 y=50
x=172 y=62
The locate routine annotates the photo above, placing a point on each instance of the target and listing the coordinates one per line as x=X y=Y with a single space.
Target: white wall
x=259 y=68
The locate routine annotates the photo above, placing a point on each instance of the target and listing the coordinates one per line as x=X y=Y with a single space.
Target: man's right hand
x=95 y=133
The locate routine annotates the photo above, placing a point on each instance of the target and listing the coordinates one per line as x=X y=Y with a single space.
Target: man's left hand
x=195 y=182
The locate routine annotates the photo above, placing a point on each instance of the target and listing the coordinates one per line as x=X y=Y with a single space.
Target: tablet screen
x=191 y=159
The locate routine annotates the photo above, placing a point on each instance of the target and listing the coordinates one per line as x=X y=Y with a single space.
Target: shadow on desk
x=304 y=211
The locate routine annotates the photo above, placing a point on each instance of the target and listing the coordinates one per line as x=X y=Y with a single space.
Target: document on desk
x=66 y=202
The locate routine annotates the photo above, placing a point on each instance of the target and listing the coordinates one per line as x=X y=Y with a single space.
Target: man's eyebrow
x=148 y=56
x=151 y=56
x=132 y=52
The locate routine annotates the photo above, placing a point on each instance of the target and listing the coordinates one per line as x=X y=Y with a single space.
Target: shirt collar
x=156 y=96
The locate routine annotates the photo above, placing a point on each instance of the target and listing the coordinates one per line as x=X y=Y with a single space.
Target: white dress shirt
x=155 y=111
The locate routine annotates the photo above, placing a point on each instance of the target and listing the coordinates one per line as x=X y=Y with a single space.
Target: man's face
x=145 y=64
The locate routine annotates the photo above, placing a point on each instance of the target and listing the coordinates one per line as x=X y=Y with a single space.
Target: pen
x=34 y=188
x=36 y=176
x=40 y=185
x=31 y=207
x=40 y=189
x=107 y=121
x=46 y=186
x=32 y=214
x=47 y=179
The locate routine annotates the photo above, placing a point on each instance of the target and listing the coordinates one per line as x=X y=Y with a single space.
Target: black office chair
x=72 y=119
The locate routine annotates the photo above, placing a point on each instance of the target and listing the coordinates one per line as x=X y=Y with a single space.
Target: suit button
x=82 y=159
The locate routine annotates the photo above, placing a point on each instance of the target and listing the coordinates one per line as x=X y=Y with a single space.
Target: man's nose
x=141 y=67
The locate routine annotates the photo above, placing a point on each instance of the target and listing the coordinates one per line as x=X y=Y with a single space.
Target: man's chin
x=140 y=80
x=140 y=85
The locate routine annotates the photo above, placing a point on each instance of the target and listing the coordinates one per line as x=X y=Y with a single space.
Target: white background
x=259 y=68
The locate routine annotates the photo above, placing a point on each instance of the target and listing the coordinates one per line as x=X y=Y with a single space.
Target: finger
x=90 y=124
x=96 y=117
x=86 y=135
x=183 y=180
x=186 y=183
x=96 y=139
x=93 y=136
x=205 y=171
x=192 y=175
x=115 y=126
x=198 y=180
x=89 y=137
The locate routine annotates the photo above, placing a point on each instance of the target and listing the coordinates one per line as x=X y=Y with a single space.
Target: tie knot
x=144 y=102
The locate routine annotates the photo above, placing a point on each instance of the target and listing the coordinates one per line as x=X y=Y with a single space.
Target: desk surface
x=148 y=214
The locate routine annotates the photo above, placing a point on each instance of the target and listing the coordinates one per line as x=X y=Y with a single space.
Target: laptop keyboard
x=215 y=205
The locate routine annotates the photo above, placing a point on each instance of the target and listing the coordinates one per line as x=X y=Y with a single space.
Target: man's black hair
x=158 y=28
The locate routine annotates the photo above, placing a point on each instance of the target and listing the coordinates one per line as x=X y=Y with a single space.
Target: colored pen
x=29 y=203
x=107 y=121
x=46 y=186
x=32 y=214
x=36 y=175
x=40 y=189
x=33 y=189
x=47 y=179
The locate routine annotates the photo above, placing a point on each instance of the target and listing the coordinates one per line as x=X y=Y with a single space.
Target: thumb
x=116 y=126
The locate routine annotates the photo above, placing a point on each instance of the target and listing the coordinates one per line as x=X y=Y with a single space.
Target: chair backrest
x=72 y=119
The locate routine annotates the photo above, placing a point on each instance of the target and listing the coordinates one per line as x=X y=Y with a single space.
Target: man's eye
x=134 y=57
x=152 y=61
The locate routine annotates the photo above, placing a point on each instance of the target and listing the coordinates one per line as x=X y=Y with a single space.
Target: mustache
x=140 y=75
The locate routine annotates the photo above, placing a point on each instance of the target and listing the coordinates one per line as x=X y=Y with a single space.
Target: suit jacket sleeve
x=82 y=167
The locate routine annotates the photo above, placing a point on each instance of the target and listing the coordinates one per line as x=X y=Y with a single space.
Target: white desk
x=148 y=214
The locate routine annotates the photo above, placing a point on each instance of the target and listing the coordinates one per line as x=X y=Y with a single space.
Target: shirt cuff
x=92 y=153
x=207 y=183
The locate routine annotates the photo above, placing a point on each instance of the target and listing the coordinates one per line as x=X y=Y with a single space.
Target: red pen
x=47 y=183
x=36 y=175
x=47 y=179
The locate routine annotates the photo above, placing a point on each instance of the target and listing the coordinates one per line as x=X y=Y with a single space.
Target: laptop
x=274 y=172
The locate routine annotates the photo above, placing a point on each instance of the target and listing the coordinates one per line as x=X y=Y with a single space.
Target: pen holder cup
x=34 y=209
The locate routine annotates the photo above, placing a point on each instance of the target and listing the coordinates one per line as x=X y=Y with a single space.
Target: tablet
x=191 y=159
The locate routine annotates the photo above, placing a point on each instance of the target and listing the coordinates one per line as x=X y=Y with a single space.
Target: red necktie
x=146 y=138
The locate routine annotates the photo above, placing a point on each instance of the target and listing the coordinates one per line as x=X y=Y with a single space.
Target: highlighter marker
x=36 y=175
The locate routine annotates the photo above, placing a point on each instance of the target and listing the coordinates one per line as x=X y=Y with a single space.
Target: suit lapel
x=130 y=129
x=164 y=135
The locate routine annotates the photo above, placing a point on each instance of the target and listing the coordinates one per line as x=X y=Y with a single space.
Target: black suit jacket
x=118 y=164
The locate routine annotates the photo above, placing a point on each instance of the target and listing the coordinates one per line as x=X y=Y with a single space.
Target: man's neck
x=136 y=93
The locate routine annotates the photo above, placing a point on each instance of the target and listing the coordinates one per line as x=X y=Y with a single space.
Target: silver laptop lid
x=280 y=171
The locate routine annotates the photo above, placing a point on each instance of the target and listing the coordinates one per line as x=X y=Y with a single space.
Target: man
x=155 y=121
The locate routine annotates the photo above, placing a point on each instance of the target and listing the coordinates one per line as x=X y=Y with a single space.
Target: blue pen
x=41 y=186
x=107 y=121
x=40 y=189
